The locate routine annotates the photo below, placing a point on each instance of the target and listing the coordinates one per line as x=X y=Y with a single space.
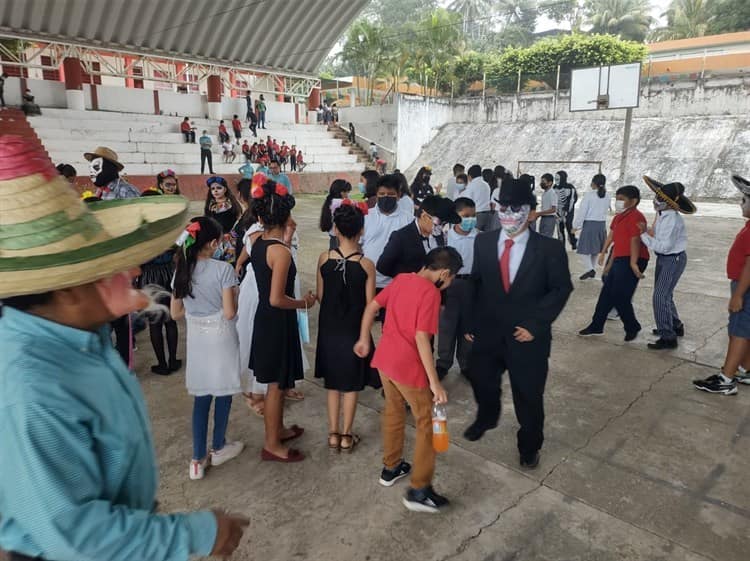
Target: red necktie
x=505 y=265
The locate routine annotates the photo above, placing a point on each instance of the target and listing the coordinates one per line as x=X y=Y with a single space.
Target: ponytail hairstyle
x=271 y=203
x=349 y=217
x=601 y=182
x=338 y=190
x=208 y=209
x=201 y=231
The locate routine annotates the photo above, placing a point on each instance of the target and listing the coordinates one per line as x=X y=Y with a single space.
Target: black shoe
x=530 y=461
x=389 y=476
x=714 y=384
x=663 y=344
x=424 y=500
x=679 y=331
x=588 y=275
x=161 y=370
x=441 y=372
x=589 y=331
x=630 y=335
x=476 y=431
x=175 y=364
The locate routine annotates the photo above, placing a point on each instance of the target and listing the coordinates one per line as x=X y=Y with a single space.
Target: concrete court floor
x=637 y=465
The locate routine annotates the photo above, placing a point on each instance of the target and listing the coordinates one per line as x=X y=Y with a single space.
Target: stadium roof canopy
x=281 y=35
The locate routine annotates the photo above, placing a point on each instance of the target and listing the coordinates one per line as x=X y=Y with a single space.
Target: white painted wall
x=186 y=105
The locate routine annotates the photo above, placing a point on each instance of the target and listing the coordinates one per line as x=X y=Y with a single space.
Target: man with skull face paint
x=521 y=284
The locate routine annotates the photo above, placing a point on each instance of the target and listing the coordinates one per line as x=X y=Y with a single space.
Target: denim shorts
x=739 y=322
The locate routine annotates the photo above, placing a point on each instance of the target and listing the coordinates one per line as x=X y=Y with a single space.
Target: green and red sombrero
x=50 y=239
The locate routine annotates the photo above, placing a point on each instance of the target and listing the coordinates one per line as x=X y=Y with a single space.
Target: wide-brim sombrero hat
x=742 y=184
x=50 y=239
x=671 y=193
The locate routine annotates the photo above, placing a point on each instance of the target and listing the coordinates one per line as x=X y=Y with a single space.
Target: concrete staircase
x=14 y=122
x=148 y=144
x=354 y=149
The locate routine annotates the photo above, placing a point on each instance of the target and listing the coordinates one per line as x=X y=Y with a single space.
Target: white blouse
x=592 y=208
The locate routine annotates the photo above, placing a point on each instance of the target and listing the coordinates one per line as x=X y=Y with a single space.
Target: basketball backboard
x=605 y=87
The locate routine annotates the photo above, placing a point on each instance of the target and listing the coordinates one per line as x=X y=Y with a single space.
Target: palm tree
x=686 y=18
x=628 y=19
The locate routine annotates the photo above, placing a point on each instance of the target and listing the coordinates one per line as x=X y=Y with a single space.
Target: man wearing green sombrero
x=78 y=476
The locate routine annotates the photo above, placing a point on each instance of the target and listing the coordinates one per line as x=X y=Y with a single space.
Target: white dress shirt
x=670 y=234
x=377 y=231
x=478 y=191
x=516 y=251
x=592 y=208
x=464 y=244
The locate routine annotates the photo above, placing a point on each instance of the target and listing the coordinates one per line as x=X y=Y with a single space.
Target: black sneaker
x=389 y=476
x=663 y=344
x=424 y=500
x=589 y=331
x=715 y=384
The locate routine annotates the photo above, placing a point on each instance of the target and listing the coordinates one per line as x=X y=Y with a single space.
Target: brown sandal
x=354 y=439
x=336 y=445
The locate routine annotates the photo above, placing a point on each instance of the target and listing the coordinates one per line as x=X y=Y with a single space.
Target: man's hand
x=522 y=335
x=362 y=348
x=438 y=393
x=736 y=303
x=229 y=530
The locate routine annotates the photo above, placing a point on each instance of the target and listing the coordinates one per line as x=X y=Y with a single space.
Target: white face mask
x=95 y=168
x=512 y=222
x=619 y=206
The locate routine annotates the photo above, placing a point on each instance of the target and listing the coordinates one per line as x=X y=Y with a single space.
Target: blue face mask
x=468 y=223
x=361 y=187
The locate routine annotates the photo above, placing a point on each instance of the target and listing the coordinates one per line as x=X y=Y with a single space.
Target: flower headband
x=216 y=179
x=188 y=236
x=337 y=203
x=258 y=190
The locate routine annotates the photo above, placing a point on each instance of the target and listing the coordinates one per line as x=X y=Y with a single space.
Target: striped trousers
x=669 y=269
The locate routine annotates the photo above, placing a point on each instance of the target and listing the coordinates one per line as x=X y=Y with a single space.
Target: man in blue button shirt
x=78 y=475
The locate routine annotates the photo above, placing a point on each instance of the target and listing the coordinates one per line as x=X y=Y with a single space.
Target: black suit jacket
x=404 y=252
x=537 y=296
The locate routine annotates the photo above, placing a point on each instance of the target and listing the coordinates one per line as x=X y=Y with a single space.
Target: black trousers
x=527 y=366
x=206 y=155
x=451 y=339
x=617 y=292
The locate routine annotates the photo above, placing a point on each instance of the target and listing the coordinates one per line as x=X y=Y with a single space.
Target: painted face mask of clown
x=513 y=218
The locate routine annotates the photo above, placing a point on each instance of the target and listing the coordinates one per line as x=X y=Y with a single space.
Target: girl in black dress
x=346 y=284
x=275 y=353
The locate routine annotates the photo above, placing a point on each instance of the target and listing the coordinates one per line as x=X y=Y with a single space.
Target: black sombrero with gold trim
x=671 y=193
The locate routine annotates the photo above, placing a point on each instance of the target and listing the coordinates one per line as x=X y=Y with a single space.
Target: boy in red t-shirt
x=738 y=272
x=407 y=370
x=628 y=261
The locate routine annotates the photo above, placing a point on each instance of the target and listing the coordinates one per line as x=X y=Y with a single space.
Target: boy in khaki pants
x=407 y=370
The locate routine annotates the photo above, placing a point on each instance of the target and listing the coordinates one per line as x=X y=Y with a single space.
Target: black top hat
x=672 y=194
x=442 y=208
x=742 y=184
x=515 y=192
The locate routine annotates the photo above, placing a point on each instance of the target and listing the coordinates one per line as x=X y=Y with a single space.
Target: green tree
x=686 y=18
x=628 y=19
x=728 y=16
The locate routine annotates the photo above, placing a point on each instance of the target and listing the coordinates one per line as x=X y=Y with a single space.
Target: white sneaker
x=231 y=450
x=198 y=468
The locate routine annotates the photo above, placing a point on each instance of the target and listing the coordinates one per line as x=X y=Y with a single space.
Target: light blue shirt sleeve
x=51 y=458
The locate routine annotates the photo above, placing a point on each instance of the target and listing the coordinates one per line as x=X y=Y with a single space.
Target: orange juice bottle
x=439 y=428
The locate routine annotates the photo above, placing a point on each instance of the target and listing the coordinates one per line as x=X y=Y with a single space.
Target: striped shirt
x=78 y=476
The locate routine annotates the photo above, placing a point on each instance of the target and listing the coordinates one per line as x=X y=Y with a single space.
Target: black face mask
x=387 y=204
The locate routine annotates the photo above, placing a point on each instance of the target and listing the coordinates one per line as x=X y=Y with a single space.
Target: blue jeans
x=201 y=410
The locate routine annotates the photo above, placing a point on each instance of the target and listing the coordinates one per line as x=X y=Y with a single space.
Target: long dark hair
x=236 y=208
x=601 y=184
x=187 y=257
x=336 y=191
